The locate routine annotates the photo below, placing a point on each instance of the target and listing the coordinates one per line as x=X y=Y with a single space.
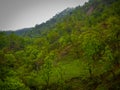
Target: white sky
x=17 y=14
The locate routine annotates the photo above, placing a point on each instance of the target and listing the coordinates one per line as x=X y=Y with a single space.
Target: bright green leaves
x=52 y=36
x=64 y=40
x=106 y=61
x=10 y=60
x=47 y=68
x=90 y=43
x=11 y=83
x=108 y=54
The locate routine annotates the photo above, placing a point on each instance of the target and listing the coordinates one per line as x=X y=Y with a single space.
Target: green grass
x=69 y=70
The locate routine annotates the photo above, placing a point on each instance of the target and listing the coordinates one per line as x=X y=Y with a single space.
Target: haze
x=17 y=14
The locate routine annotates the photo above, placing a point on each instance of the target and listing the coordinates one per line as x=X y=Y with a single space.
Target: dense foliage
x=81 y=52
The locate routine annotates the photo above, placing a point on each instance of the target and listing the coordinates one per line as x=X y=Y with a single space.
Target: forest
x=79 y=49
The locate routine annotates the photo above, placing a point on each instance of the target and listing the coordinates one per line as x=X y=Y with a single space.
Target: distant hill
x=35 y=31
x=40 y=28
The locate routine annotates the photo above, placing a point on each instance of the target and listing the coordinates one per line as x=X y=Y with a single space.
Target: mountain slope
x=81 y=52
x=36 y=31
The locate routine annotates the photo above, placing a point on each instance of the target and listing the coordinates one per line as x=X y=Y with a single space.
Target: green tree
x=90 y=44
x=47 y=69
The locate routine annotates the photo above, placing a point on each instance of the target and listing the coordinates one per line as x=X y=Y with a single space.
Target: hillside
x=77 y=51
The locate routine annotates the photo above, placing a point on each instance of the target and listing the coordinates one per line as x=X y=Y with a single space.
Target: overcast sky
x=17 y=14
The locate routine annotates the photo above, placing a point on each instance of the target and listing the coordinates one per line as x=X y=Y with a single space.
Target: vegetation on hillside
x=81 y=52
